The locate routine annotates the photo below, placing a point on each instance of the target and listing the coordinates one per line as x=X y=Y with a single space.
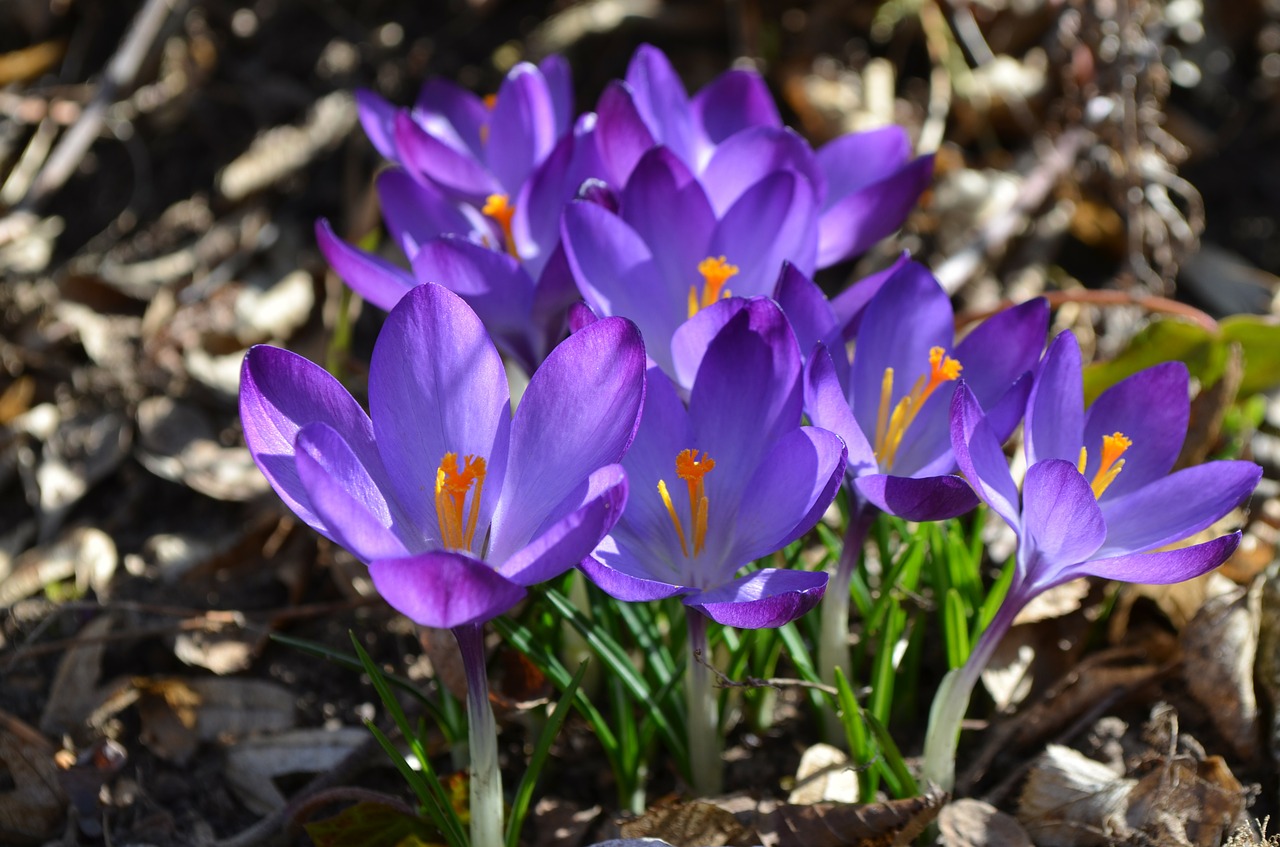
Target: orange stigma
x=453 y=481
x=498 y=207
x=892 y=422
x=1113 y=447
x=691 y=469
x=715 y=273
x=490 y=100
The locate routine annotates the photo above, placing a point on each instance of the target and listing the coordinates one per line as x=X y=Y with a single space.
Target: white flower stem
x=705 y=743
x=485 y=777
x=952 y=700
x=833 y=644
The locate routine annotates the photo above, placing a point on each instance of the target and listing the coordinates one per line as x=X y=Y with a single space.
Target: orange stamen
x=498 y=207
x=892 y=426
x=715 y=272
x=1113 y=447
x=453 y=481
x=692 y=470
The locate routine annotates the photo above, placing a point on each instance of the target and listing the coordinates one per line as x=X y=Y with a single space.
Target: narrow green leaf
x=955 y=627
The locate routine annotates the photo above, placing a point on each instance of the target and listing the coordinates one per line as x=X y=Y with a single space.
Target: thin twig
x=1149 y=302
x=723 y=680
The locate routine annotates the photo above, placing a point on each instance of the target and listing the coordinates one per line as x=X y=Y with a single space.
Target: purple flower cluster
x=659 y=446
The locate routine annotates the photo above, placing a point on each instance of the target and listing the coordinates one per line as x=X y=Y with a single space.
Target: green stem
x=952 y=700
x=486 y=778
x=705 y=742
x=833 y=644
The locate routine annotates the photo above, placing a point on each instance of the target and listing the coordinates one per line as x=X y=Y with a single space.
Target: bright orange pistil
x=453 y=481
x=715 y=272
x=490 y=100
x=691 y=469
x=498 y=207
x=892 y=424
x=1113 y=447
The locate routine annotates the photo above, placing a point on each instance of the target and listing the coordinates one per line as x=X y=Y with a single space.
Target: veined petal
x=522 y=128
x=849 y=304
x=579 y=523
x=753 y=154
x=457 y=171
x=372 y=277
x=786 y=495
x=932 y=498
x=828 y=407
x=622 y=136
x=417 y=212
x=442 y=103
x=1152 y=407
x=280 y=393
x=1165 y=567
x=667 y=208
x=850 y=225
x=858 y=159
x=348 y=497
x=1060 y=517
x=378 y=118
x=1055 y=410
x=733 y=102
x=810 y=315
x=558 y=78
x=1176 y=506
x=437 y=386
x=578 y=414
x=444 y=589
x=623 y=584
x=1003 y=348
x=660 y=98
x=980 y=458
x=763 y=599
x=770 y=223
x=690 y=340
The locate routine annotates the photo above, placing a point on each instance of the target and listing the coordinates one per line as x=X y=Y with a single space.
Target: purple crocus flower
x=720 y=483
x=730 y=135
x=1098 y=500
x=456 y=505
x=668 y=252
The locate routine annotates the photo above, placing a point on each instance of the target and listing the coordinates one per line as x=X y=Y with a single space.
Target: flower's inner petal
x=1152 y=407
x=893 y=422
x=1060 y=517
x=1055 y=409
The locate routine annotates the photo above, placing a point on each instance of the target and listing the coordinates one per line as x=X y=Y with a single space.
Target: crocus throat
x=715 y=272
x=892 y=423
x=453 y=480
x=498 y=207
x=1113 y=447
x=691 y=469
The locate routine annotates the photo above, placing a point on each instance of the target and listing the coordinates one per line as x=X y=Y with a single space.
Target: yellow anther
x=891 y=426
x=453 y=481
x=1113 y=447
x=498 y=207
x=692 y=470
x=715 y=272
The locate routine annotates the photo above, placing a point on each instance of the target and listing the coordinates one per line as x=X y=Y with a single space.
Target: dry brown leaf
x=178 y=443
x=34 y=808
x=178 y=713
x=694 y=824
x=894 y=823
x=1219 y=647
x=1184 y=803
x=253 y=763
x=973 y=823
x=1070 y=800
x=88 y=554
x=74 y=693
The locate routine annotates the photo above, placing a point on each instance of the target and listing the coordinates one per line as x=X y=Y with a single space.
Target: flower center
x=1113 y=447
x=715 y=272
x=453 y=480
x=691 y=469
x=499 y=208
x=892 y=422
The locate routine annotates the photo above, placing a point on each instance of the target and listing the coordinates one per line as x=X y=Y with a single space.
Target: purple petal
x=828 y=407
x=378 y=118
x=809 y=313
x=752 y=155
x=980 y=458
x=559 y=81
x=372 y=277
x=1055 y=410
x=580 y=523
x=933 y=498
x=280 y=393
x=690 y=341
x=787 y=494
x=622 y=136
x=735 y=101
x=852 y=302
x=416 y=213
x=522 y=128
x=769 y=224
x=660 y=98
x=909 y=316
x=536 y=223
x=347 y=496
x=444 y=589
x=852 y=224
x=764 y=599
x=445 y=108
x=1165 y=567
x=437 y=386
x=858 y=159
x=1003 y=348
x=1152 y=407
x=627 y=587
x=457 y=171
x=493 y=284
x=667 y=208
x=578 y=414
x=1176 y=506
x=1061 y=520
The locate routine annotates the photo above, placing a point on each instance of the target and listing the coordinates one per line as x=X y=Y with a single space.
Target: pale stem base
x=705 y=742
x=486 y=778
x=833 y=643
